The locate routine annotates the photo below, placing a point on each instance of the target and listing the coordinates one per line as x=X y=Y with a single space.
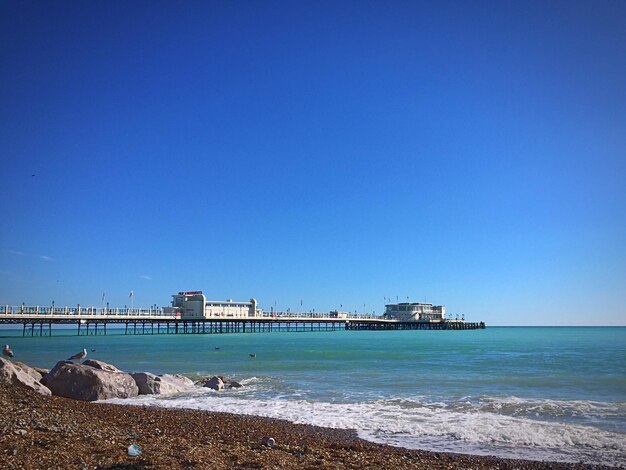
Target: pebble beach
x=38 y=432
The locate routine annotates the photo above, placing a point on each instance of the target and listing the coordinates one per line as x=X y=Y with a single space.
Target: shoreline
x=44 y=432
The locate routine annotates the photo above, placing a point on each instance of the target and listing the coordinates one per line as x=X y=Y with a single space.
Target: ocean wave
x=544 y=408
x=496 y=426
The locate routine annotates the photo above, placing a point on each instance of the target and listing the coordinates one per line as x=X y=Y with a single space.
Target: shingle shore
x=39 y=432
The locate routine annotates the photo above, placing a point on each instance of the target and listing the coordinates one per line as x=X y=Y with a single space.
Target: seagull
x=252 y=355
x=79 y=356
x=216 y=348
x=7 y=351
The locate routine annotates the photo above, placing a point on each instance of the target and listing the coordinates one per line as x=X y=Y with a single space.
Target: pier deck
x=38 y=321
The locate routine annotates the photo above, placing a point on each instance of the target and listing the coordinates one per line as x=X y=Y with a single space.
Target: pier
x=93 y=321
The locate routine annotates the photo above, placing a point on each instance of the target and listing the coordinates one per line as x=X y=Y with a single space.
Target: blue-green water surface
x=556 y=393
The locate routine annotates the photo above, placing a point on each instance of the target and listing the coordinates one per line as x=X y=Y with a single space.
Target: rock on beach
x=87 y=382
x=215 y=383
x=41 y=370
x=184 y=383
x=101 y=365
x=33 y=372
x=218 y=382
x=151 y=384
x=17 y=373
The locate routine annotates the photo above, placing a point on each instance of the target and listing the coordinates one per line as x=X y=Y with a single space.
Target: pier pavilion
x=415 y=311
x=194 y=304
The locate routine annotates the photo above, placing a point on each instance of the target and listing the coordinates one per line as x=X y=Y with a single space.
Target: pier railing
x=12 y=313
x=318 y=315
x=78 y=311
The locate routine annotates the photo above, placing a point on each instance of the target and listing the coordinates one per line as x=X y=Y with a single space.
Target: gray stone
x=28 y=370
x=12 y=373
x=101 y=365
x=147 y=383
x=41 y=370
x=215 y=383
x=227 y=382
x=150 y=384
x=182 y=382
x=89 y=383
x=44 y=379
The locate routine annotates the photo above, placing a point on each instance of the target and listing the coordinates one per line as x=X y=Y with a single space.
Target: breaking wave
x=511 y=427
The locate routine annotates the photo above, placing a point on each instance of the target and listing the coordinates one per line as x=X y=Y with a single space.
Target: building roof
x=408 y=303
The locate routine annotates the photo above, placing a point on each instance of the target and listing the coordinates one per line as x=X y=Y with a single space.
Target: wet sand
x=54 y=432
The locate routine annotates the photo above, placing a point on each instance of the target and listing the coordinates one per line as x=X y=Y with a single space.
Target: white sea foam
x=495 y=426
x=591 y=410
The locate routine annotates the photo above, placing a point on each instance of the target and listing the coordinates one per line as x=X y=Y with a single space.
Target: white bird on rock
x=77 y=357
x=7 y=351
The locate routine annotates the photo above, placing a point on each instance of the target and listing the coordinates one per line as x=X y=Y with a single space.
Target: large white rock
x=151 y=384
x=21 y=375
x=88 y=383
x=34 y=373
x=182 y=382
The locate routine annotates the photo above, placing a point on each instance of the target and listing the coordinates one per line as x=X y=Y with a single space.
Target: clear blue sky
x=472 y=154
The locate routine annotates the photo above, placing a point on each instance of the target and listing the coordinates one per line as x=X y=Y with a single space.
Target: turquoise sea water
x=546 y=393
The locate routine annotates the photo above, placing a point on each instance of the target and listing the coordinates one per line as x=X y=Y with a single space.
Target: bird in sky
x=7 y=351
x=77 y=357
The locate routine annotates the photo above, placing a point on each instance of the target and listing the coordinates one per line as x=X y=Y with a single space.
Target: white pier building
x=415 y=311
x=194 y=304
